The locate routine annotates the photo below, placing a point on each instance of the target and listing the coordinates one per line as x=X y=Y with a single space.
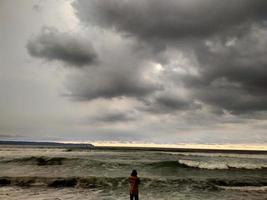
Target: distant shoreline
x=188 y=150
x=23 y=144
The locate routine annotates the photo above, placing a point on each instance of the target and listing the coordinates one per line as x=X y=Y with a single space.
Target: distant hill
x=46 y=144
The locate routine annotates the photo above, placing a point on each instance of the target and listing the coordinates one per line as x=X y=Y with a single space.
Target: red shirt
x=133 y=184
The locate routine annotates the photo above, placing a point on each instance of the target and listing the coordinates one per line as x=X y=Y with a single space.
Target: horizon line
x=112 y=143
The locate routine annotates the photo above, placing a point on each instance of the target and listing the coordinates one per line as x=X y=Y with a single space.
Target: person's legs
x=136 y=197
x=131 y=197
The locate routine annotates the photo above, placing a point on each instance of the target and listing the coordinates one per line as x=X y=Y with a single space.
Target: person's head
x=134 y=173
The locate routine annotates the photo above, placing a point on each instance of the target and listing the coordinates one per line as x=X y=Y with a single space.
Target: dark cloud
x=170 y=19
x=167 y=102
x=37 y=7
x=115 y=117
x=105 y=83
x=172 y=102
x=233 y=72
x=228 y=44
x=51 y=44
x=235 y=101
x=226 y=38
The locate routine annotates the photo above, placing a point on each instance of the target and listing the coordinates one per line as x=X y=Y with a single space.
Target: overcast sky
x=172 y=71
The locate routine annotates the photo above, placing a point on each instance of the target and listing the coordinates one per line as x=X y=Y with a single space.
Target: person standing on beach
x=134 y=181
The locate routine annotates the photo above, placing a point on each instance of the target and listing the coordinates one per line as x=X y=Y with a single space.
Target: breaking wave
x=181 y=163
x=244 y=188
x=220 y=165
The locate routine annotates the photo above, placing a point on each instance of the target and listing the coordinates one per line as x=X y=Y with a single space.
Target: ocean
x=59 y=174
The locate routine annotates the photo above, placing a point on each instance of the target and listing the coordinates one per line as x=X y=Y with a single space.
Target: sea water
x=55 y=174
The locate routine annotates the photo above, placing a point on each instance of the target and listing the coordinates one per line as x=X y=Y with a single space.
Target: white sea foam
x=247 y=165
x=244 y=188
x=226 y=155
x=203 y=165
x=221 y=165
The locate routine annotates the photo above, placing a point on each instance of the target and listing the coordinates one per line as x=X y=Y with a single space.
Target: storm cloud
x=51 y=45
x=164 y=71
x=233 y=72
x=171 y=19
x=114 y=117
x=87 y=86
x=169 y=103
x=227 y=39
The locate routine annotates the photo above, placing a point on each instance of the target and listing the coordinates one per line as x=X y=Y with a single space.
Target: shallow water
x=34 y=173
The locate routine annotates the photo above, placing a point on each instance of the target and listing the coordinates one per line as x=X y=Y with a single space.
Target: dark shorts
x=133 y=196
